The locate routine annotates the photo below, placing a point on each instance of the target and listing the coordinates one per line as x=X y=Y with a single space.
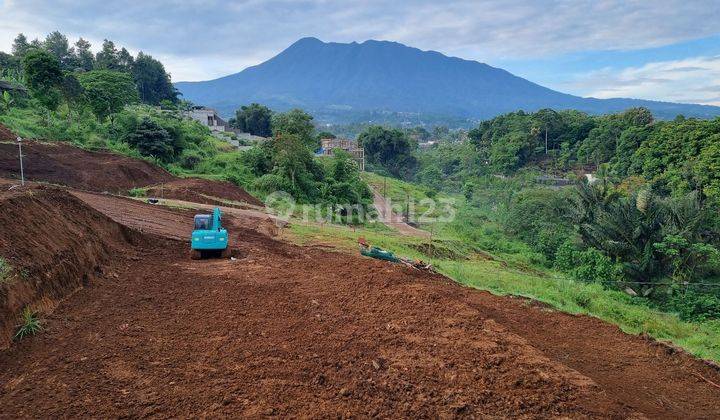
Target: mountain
x=375 y=77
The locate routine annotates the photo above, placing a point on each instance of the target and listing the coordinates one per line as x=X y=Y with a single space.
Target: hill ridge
x=342 y=79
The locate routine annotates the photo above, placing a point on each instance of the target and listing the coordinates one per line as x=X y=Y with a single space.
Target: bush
x=150 y=139
x=590 y=265
x=30 y=324
x=138 y=192
x=5 y=270
x=692 y=305
x=565 y=256
x=190 y=159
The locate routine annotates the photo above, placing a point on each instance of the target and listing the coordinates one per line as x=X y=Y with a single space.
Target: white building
x=209 y=118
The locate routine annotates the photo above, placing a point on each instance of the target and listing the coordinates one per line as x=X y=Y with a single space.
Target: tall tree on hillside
x=107 y=92
x=151 y=139
x=57 y=44
x=126 y=60
x=8 y=63
x=297 y=123
x=20 y=46
x=43 y=77
x=84 y=58
x=153 y=82
x=547 y=127
x=254 y=119
x=389 y=147
x=72 y=92
x=107 y=58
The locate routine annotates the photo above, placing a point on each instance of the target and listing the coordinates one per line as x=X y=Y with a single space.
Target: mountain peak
x=308 y=40
x=388 y=76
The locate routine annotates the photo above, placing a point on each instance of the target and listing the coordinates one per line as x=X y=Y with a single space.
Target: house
x=209 y=118
x=327 y=146
x=427 y=144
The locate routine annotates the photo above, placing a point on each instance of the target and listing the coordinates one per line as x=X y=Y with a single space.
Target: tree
x=255 y=119
x=20 y=46
x=153 y=82
x=8 y=63
x=638 y=117
x=343 y=185
x=654 y=238
x=708 y=169
x=57 y=44
x=152 y=140
x=601 y=142
x=72 y=91
x=107 y=92
x=547 y=127
x=107 y=58
x=84 y=58
x=326 y=135
x=125 y=60
x=298 y=123
x=390 y=148
x=294 y=169
x=43 y=77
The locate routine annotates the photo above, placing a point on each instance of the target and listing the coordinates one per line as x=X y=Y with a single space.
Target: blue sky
x=663 y=49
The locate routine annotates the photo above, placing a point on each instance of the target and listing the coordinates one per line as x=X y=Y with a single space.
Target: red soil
x=64 y=164
x=291 y=331
x=55 y=244
x=197 y=190
x=6 y=134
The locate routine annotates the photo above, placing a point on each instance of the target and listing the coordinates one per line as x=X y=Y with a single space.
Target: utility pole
x=22 y=171
x=546 y=142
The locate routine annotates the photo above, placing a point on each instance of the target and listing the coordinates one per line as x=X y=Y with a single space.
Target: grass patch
x=5 y=271
x=138 y=192
x=30 y=325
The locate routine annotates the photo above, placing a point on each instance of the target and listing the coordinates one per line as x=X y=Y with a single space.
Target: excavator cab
x=209 y=237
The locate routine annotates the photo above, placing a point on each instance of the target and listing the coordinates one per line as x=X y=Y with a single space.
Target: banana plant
x=6 y=100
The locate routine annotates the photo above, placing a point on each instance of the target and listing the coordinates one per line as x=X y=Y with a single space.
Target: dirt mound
x=203 y=191
x=62 y=163
x=6 y=134
x=54 y=244
x=65 y=164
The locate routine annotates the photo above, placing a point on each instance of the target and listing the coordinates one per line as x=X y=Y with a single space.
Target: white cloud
x=692 y=80
x=220 y=37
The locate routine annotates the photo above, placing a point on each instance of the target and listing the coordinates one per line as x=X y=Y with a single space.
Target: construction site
x=132 y=327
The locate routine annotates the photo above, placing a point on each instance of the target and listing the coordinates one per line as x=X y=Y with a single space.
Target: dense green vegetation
x=29 y=62
x=254 y=119
x=647 y=223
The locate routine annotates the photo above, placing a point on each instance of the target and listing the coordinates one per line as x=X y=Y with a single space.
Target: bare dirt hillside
x=6 y=134
x=203 y=191
x=55 y=245
x=64 y=164
x=291 y=331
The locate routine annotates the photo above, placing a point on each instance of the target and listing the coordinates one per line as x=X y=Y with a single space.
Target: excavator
x=209 y=236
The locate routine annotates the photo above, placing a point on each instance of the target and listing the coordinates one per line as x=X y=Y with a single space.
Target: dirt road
x=298 y=331
x=393 y=220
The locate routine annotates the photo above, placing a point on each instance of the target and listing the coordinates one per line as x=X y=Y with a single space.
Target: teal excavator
x=209 y=236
